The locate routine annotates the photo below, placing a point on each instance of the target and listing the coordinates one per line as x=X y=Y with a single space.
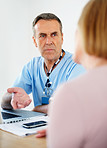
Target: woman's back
x=79 y=112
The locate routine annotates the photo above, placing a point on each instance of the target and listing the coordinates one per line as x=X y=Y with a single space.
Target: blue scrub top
x=33 y=77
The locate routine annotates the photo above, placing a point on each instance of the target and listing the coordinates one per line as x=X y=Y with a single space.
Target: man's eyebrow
x=54 y=32
x=42 y=33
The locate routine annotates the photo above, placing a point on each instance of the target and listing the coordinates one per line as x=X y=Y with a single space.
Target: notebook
x=12 y=116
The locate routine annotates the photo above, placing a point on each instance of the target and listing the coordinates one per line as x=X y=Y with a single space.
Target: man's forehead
x=47 y=26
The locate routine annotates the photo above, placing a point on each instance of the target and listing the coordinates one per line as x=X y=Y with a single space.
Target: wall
x=16 y=44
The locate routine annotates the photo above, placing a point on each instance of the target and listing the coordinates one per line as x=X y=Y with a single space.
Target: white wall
x=16 y=45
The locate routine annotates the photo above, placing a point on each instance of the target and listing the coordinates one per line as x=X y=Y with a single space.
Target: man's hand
x=41 y=108
x=41 y=133
x=20 y=98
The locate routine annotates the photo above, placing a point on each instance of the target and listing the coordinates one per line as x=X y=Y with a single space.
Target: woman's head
x=92 y=28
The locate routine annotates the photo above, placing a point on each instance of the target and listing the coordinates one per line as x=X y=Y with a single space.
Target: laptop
x=12 y=116
x=1 y=121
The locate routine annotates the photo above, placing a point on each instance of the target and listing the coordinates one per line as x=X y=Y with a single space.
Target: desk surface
x=8 y=140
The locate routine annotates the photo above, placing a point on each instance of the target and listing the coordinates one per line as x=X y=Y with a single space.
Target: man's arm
x=41 y=108
x=6 y=101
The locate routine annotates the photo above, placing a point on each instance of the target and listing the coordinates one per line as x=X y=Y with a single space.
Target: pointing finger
x=13 y=89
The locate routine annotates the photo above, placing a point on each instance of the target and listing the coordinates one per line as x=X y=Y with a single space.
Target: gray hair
x=46 y=16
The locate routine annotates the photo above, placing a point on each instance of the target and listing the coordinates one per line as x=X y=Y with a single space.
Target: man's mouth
x=49 y=49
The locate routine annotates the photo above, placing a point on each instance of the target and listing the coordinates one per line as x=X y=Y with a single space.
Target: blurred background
x=16 y=44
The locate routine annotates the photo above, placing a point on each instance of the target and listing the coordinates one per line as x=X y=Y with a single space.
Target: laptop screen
x=1 y=121
x=8 y=115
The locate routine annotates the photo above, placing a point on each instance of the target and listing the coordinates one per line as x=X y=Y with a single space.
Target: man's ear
x=62 y=38
x=34 y=41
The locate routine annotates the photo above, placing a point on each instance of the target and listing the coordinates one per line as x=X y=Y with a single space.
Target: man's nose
x=49 y=40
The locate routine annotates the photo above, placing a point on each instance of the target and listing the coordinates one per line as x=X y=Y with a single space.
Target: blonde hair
x=93 y=26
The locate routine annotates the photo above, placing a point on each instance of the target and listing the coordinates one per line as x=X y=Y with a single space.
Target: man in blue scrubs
x=42 y=75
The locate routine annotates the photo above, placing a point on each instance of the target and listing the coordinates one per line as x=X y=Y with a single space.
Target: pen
x=28 y=134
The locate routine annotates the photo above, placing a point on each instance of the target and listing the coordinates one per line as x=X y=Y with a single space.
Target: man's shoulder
x=36 y=60
x=67 y=53
x=68 y=56
x=34 y=63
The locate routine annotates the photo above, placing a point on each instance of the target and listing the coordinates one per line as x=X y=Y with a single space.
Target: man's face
x=48 y=39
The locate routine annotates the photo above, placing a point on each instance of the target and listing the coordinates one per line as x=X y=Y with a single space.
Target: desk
x=8 y=140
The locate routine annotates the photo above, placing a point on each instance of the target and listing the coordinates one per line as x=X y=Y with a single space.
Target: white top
x=78 y=114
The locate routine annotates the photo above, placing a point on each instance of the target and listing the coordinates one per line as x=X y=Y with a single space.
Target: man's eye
x=42 y=35
x=54 y=34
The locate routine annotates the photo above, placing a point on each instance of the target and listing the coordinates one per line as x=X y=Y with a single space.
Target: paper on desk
x=17 y=129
